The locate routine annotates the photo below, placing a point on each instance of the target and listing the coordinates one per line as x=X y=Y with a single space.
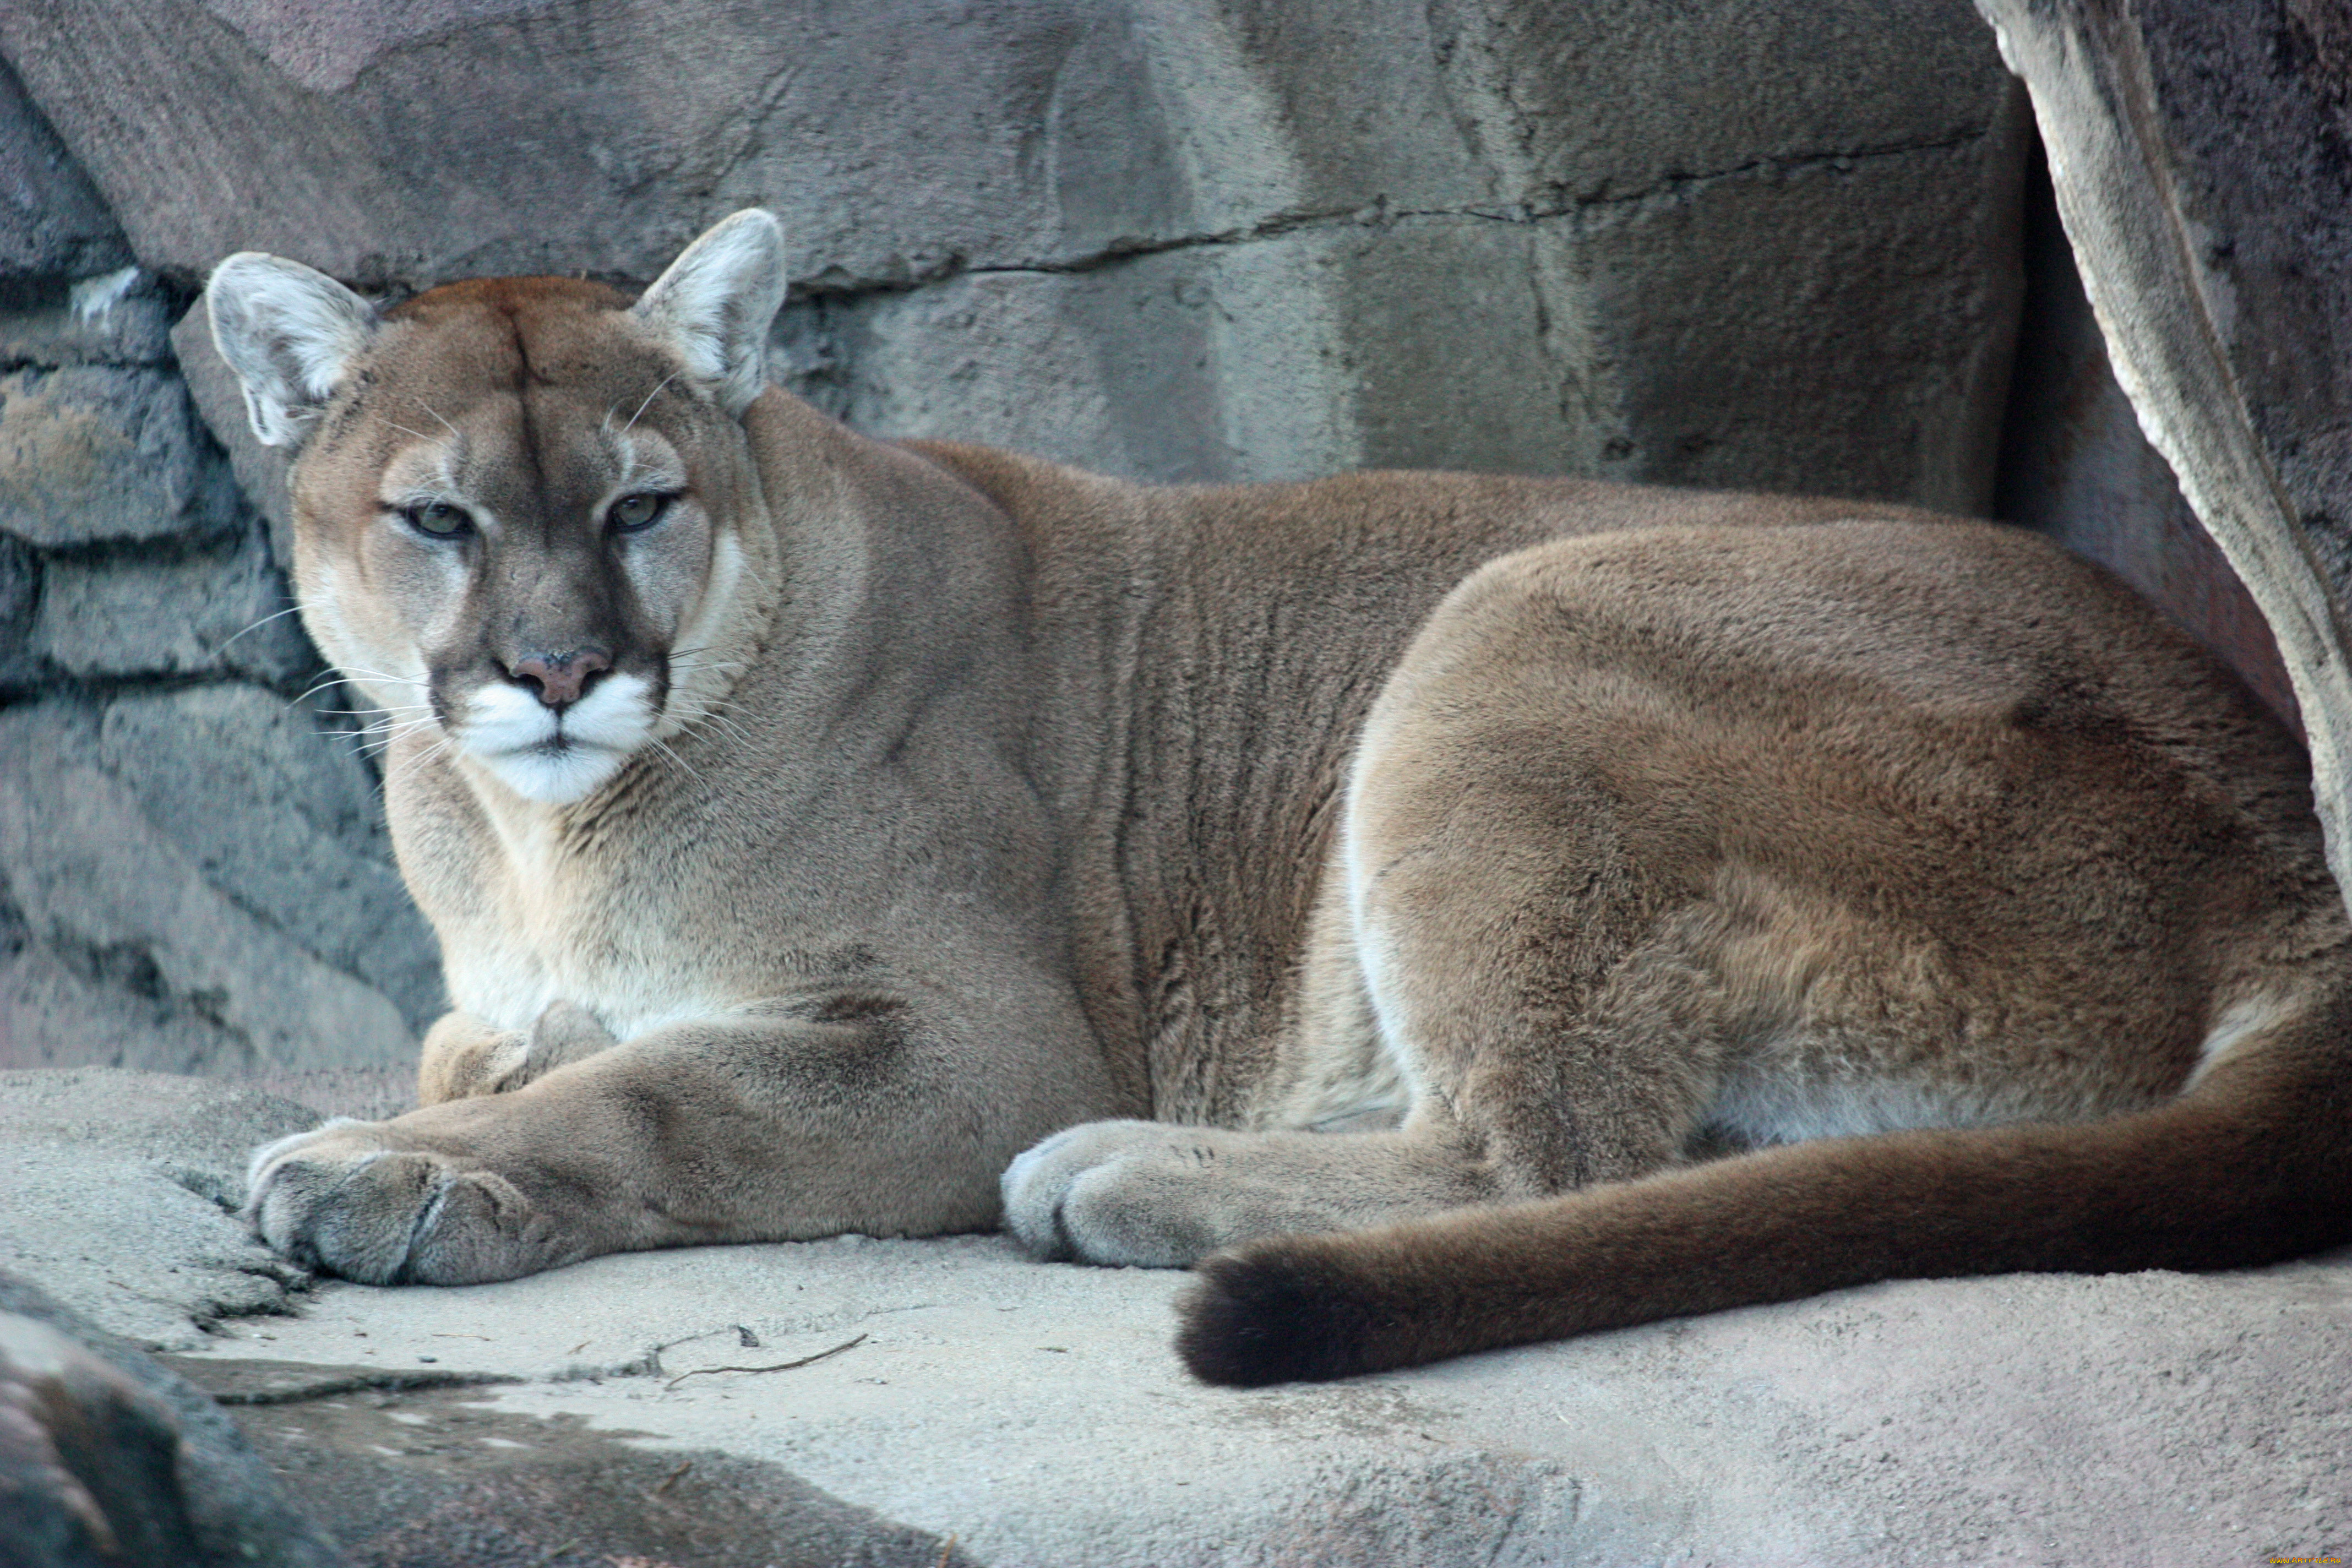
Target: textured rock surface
x=1745 y=241
x=96 y=453
x=2200 y=157
x=1036 y=1414
x=52 y=220
x=107 y=1458
x=193 y=876
x=233 y=916
x=116 y=1192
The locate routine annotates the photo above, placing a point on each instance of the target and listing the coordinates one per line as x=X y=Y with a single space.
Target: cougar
x=1443 y=911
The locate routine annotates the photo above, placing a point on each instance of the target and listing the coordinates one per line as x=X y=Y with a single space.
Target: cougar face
x=520 y=503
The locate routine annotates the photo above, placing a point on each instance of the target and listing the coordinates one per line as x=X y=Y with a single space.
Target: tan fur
x=1459 y=861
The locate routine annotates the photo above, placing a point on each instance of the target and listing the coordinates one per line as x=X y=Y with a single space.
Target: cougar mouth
x=552 y=754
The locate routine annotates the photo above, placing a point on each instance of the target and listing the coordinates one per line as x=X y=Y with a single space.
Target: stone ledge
x=1036 y=1414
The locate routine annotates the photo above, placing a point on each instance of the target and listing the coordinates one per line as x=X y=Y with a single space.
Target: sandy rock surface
x=1034 y=1413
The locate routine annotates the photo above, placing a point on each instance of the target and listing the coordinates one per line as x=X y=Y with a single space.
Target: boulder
x=2199 y=154
x=106 y=1458
x=221 y=608
x=53 y=222
x=103 y=454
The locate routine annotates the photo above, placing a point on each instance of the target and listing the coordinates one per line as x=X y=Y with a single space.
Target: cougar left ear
x=715 y=304
x=288 y=332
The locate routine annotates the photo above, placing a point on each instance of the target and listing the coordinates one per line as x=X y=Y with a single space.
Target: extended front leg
x=789 y=1120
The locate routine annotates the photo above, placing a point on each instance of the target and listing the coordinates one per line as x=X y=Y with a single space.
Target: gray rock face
x=192 y=875
x=106 y=1458
x=2199 y=156
x=1171 y=241
x=52 y=221
x=204 y=886
x=98 y=454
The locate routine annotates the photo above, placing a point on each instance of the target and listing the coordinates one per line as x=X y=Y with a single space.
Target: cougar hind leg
x=1489 y=956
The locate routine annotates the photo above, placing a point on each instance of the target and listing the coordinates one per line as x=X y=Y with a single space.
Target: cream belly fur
x=1444 y=910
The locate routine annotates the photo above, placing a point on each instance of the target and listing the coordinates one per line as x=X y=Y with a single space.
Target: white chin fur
x=556 y=760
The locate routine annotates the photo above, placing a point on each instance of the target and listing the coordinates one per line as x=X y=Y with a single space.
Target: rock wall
x=2202 y=157
x=1749 y=242
x=192 y=877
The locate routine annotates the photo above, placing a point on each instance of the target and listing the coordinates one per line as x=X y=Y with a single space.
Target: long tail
x=2251 y=1166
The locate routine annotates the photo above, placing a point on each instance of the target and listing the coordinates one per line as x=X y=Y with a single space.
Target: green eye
x=632 y=512
x=438 y=518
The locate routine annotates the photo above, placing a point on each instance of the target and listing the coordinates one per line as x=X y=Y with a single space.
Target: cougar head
x=526 y=514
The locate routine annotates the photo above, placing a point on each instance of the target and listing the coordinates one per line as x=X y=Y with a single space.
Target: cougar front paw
x=464 y=1057
x=347 y=1199
x=1115 y=1192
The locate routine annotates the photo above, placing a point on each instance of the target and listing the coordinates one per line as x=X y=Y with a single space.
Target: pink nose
x=561 y=678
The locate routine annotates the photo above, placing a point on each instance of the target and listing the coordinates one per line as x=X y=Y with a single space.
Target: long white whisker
x=420 y=759
x=436 y=414
x=289 y=610
x=341 y=676
x=681 y=762
x=649 y=402
x=711 y=716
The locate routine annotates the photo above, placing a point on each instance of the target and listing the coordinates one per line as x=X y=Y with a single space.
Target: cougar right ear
x=288 y=332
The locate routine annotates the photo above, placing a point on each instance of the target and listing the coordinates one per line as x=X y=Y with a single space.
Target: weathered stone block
x=20 y=600
x=1725 y=343
x=187 y=612
x=283 y=818
x=1703 y=336
x=52 y=220
x=200 y=891
x=115 y=318
x=94 y=453
x=935 y=132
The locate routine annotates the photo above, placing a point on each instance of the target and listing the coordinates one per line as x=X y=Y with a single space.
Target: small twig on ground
x=946 y=1551
x=670 y=1480
x=780 y=1367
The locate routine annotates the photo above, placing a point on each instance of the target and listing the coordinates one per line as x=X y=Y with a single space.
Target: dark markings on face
x=535 y=374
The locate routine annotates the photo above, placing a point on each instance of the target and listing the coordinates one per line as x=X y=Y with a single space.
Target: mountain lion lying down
x=1521 y=906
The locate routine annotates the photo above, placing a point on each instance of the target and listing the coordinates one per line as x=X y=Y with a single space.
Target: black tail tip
x=1274 y=1312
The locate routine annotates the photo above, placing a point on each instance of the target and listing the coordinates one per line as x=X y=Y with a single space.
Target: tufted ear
x=288 y=332
x=716 y=302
